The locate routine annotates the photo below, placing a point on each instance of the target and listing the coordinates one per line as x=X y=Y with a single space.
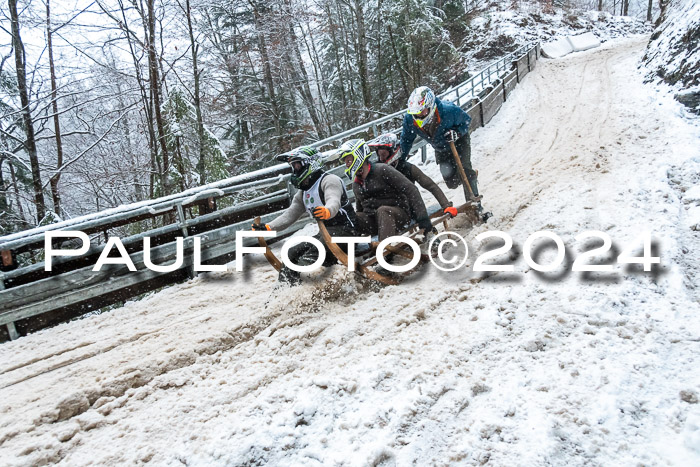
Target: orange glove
x=452 y=211
x=261 y=227
x=322 y=213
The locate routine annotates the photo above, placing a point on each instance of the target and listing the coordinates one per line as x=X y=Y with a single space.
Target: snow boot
x=473 y=182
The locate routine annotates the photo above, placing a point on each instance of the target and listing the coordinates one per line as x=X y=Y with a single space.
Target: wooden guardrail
x=32 y=298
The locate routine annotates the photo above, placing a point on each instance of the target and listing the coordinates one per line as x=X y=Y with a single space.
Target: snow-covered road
x=512 y=369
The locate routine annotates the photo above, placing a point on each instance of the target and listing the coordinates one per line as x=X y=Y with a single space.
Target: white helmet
x=422 y=98
x=388 y=141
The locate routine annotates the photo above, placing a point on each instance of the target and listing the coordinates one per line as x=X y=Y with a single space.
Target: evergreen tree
x=183 y=141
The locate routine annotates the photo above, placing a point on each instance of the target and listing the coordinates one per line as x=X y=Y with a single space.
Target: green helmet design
x=304 y=162
x=358 y=149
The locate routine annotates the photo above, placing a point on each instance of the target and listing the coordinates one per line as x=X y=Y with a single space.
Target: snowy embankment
x=512 y=369
x=673 y=54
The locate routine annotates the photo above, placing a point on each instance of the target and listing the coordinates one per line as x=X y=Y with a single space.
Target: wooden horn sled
x=364 y=260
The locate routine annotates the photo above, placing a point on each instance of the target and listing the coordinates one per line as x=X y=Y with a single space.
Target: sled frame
x=362 y=267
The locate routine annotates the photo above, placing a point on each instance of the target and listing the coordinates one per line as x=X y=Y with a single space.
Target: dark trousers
x=386 y=222
x=305 y=254
x=448 y=167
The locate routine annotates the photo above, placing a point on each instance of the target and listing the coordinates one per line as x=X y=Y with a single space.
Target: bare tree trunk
x=311 y=107
x=600 y=5
x=626 y=7
x=649 y=7
x=409 y=52
x=267 y=73
x=178 y=161
x=152 y=144
x=316 y=62
x=228 y=48
x=362 y=56
x=133 y=161
x=299 y=74
x=55 y=195
x=346 y=52
x=30 y=143
x=403 y=74
x=18 y=200
x=155 y=93
x=201 y=163
x=663 y=5
x=378 y=51
x=4 y=203
x=336 y=52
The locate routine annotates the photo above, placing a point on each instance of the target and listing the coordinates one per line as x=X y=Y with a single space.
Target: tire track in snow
x=566 y=146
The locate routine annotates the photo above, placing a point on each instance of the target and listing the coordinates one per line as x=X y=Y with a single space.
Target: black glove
x=451 y=136
x=426 y=225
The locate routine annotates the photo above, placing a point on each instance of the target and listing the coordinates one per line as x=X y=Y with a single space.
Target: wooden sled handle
x=468 y=193
x=343 y=258
x=269 y=255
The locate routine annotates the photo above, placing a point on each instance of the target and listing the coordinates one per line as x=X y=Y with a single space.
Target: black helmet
x=304 y=162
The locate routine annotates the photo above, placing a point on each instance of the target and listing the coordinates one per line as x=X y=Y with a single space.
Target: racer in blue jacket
x=439 y=123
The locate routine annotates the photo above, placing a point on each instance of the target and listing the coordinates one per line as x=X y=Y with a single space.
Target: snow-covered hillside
x=673 y=54
x=445 y=369
x=501 y=29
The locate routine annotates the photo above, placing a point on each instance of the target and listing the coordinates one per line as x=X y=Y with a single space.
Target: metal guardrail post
x=182 y=222
x=481 y=113
x=12 y=331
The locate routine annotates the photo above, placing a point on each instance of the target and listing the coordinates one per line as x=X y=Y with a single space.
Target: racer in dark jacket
x=386 y=201
x=439 y=123
x=387 y=148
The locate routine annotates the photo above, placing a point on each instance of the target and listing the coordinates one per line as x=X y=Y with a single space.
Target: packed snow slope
x=454 y=368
